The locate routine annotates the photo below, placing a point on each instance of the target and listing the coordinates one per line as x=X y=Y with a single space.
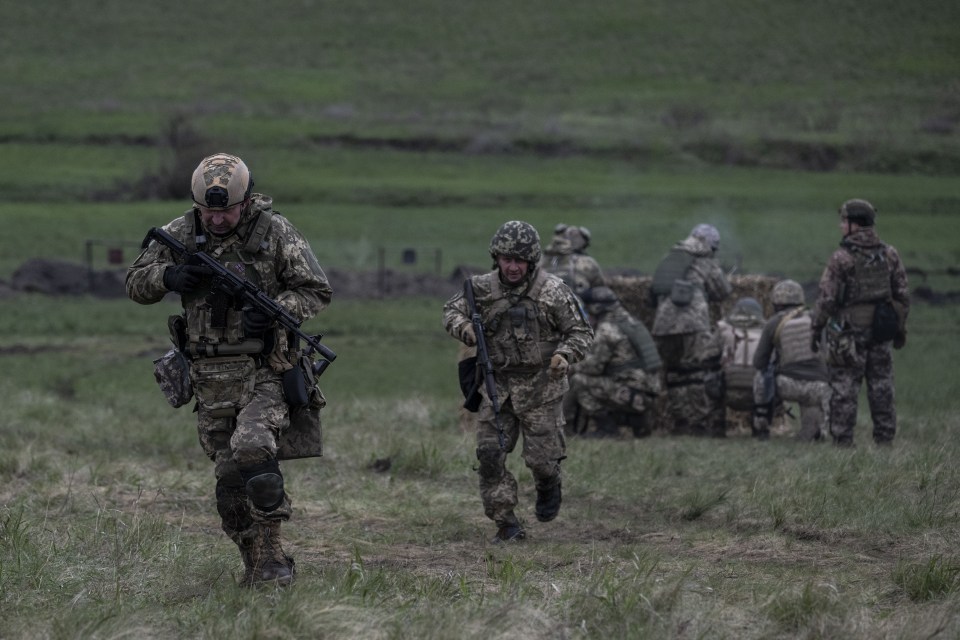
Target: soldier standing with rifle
x=533 y=330
x=243 y=369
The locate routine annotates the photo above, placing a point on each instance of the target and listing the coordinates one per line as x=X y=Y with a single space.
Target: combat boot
x=548 y=501
x=509 y=530
x=268 y=564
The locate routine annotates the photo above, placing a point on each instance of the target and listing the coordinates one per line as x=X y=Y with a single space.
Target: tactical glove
x=184 y=278
x=255 y=322
x=900 y=340
x=468 y=337
x=558 y=366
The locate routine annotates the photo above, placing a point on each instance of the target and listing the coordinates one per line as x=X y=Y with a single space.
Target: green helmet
x=787 y=293
x=221 y=181
x=599 y=295
x=859 y=211
x=746 y=311
x=516 y=239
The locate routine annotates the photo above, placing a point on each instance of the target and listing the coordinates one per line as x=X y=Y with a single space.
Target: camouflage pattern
x=530 y=400
x=611 y=377
x=740 y=332
x=813 y=397
x=787 y=292
x=224 y=173
x=516 y=239
x=172 y=372
x=867 y=359
x=691 y=346
x=240 y=419
x=565 y=257
x=859 y=211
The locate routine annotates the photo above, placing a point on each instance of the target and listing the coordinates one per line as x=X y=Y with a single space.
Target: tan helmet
x=787 y=293
x=859 y=211
x=221 y=181
x=516 y=239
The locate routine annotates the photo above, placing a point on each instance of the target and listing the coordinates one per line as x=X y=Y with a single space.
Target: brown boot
x=267 y=561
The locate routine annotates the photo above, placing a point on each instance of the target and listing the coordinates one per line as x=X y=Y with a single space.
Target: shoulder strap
x=193 y=236
x=786 y=318
x=254 y=241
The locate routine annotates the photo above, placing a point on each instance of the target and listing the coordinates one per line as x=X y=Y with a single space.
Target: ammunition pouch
x=172 y=372
x=223 y=385
x=681 y=293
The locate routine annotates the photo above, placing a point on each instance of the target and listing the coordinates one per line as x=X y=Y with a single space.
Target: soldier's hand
x=255 y=322
x=185 y=278
x=558 y=366
x=900 y=340
x=468 y=337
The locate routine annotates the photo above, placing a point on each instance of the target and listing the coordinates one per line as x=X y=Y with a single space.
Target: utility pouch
x=886 y=322
x=172 y=371
x=303 y=438
x=681 y=293
x=469 y=383
x=841 y=346
x=223 y=385
x=295 y=387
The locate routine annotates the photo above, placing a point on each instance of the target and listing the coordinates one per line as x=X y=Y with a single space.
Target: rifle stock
x=483 y=359
x=245 y=292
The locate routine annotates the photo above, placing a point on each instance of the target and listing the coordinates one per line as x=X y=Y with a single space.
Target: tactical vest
x=214 y=325
x=871 y=276
x=793 y=337
x=647 y=355
x=513 y=323
x=673 y=267
x=738 y=372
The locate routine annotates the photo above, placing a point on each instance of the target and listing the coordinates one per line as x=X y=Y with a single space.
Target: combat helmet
x=599 y=295
x=221 y=181
x=708 y=234
x=516 y=239
x=747 y=311
x=859 y=211
x=787 y=293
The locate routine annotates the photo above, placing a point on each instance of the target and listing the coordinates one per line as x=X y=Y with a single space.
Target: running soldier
x=534 y=330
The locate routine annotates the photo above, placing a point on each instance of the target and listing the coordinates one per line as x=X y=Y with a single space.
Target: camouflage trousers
x=606 y=393
x=875 y=363
x=693 y=376
x=813 y=397
x=247 y=440
x=543 y=449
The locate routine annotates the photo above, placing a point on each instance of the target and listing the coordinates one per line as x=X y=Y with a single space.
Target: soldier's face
x=513 y=270
x=220 y=222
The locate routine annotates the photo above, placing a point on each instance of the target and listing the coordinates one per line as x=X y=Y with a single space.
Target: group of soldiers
x=701 y=372
x=559 y=348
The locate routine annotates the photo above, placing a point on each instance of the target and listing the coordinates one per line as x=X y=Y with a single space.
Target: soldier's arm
x=829 y=292
x=144 y=279
x=765 y=347
x=576 y=334
x=456 y=316
x=898 y=282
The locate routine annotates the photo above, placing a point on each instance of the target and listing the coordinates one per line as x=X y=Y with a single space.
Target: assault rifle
x=245 y=293
x=483 y=359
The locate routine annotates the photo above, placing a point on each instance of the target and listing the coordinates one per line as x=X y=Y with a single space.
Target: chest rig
x=515 y=324
x=214 y=323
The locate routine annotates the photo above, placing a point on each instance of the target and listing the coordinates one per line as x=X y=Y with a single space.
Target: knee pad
x=264 y=485
x=232 y=503
x=490 y=465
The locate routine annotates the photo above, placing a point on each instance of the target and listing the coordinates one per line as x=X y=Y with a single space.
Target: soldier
x=534 y=330
x=799 y=374
x=566 y=257
x=237 y=356
x=684 y=283
x=620 y=375
x=740 y=332
x=863 y=304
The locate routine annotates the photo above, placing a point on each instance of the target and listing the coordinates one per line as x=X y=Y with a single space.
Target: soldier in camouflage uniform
x=237 y=356
x=740 y=332
x=566 y=257
x=534 y=330
x=620 y=375
x=863 y=279
x=799 y=374
x=685 y=282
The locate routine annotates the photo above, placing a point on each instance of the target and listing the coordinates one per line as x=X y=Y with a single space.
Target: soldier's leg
x=880 y=392
x=543 y=449
x=845 y=390
x=702 y=350
x=498 y=487
x=809 y=395
x=254 y=446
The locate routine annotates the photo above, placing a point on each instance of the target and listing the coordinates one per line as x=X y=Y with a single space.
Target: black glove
x=900 y=340
x=255 y=322
x=184 y=278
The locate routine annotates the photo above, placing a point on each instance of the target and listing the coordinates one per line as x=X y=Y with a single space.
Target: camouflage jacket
x=710 y=285
x=560 y=327
x=839 y=276
x=578 y=270
x=613 y=354
x=284 y=266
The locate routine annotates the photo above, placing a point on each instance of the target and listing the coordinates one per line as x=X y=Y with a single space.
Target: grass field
x=424 y=124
